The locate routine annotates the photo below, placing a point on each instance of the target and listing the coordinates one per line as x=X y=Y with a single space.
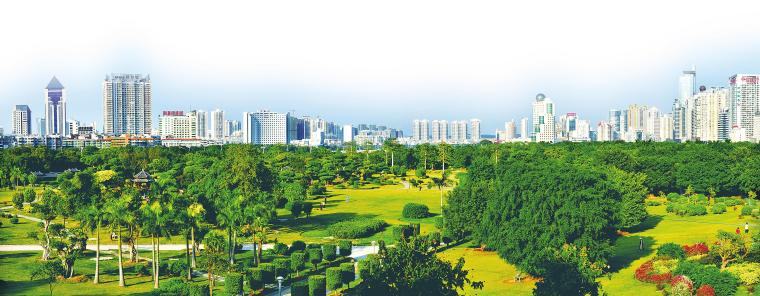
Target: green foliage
x=348 y=272
x=317 y=285
x=282 y=267
x=671 y=251
x=718 y=208
x=653 y=203
x=402 y=232
x=268 y=272
x=329 y=252
x=297 y=261
x=356 y=228
x=233 y=283
x=297 y=245
x=315 y=256
x=747 y=210
x=18 y=200
x=674 y=196
x=280 y=248
x=723 y=282
x=334 y=278
x=345 y=247
x=295 y=208
x=255 y=278
x=29 y=195
x=748 y=273
x=415 y=211
x=198 y=289
x=172 y=286
x=420 y=172
x=299 y=289
x=631 y=187
x=13 y=220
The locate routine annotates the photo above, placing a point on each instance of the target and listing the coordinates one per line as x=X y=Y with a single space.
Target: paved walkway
x=91 y=246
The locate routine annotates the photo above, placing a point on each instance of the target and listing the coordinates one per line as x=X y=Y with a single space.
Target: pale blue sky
x=387 y=62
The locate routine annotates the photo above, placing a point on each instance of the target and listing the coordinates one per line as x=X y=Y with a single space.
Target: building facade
x=543 y=120
x=127 y=104
x=22 y=120
x=744 y=95
x=55 y=109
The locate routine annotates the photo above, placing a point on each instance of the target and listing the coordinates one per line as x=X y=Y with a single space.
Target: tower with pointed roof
x=55 y=108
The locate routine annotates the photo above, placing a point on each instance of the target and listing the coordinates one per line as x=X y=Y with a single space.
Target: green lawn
x=497 y=275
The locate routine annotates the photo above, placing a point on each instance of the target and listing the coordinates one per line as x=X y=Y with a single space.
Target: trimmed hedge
x=299 y=289
x=334 y=278
x=402 y=232
x=297 y=246
x=280 y=249
x=297 y=261
x=329 y=252
x=269 y=270
x=255 y=278
x=198 y=289
x=315 y=256
x=317 y=285
x=233 y=283
x=671 y=250
x=344 y=248
x=723 y=282
x=172 y=286
x=281 y=267
x=356 y=228
x=348 y=272
x=415 y=211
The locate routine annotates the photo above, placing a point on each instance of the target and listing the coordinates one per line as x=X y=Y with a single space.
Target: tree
x=116 y=215
x=730 y=247
x=213 y=259
x=412 y=268
x=69 y=244
x=18 y=200
x=631 y=186
x=91 y=219
x=46 y=209
x=48 y=271
x=29 y=195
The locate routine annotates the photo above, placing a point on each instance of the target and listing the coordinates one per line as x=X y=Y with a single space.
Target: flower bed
x=646 y=273
x=696 y=249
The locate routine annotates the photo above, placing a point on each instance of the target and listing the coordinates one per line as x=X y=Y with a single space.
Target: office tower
x=687 y=84
x=22 y=120
x=72 y=127
x=524 y=128
x=636 y=117
x=605 y=131
x=565 y=125
x=217 y=124
x=439 y=131
x=459 y=132
x=679 y=121
x=178 y=125
x=617 y=123
x=475 y=130
x=651 y=120
x=202 y=123
x=706 y=108
x=421 y=130
x=665 y=126
x=543 y=120
x=266 y=127
x=41 y=127
x=510 y=130
x=744 y=93
x=724 y=126
x=349 y=132
x=55 y=109
x=127 y=104
x=687 y=87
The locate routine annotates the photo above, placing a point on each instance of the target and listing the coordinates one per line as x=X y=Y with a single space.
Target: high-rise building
x=202 y=123
x=679 y=121
x=22 y=120
x=420 y=130
x=636 y=117
x=439 y=131
x=687 y=84
x=349 y=132
x=605 y=131
x=72 y=127
x=524 y=128
x=266 y=127
x=127 y=104
x=705 y=110
x=178 y=125
x=665 y=127
x=458 y=132
x=475 y=130
x=619 y=123
x=543 y=120
x=744 y=97
x=682 y=115
x=724 y=125
x=510 y=130
x=55 y=108
x=41 y=127
x=651 y=121
x=217 y=124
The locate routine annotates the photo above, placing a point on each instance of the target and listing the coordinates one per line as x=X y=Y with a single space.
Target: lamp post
x=374 y=246
x=279 y=285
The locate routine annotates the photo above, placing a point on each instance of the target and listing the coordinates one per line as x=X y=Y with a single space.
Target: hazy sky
x=384 y=62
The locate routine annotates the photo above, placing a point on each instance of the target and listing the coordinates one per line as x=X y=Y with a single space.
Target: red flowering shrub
x=706 y=290
x=681 y=286
x=696 y=249
x=645 y=273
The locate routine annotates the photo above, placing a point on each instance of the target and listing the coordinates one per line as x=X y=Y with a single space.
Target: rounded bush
x=297 y=246
x=718 y=208
x=348 y=272
x=172 y=286
x=269 y=270
x=415 y=211
x=746 y=211
x=402 y=232
x=13 y=220
x=671 y=250
x=317 y=285
x=329 y=252
x=334 y=278
x=356 y=228
x=280 y=249
x=281 y=267
x=315 y=256
x=299 y=289
x=255 y=278
x=297 y=261
x=198 y=289
x=233 y=283
x=723 y=282
x=344 y=248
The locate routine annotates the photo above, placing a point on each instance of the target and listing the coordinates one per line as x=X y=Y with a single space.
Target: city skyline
x=483 y=67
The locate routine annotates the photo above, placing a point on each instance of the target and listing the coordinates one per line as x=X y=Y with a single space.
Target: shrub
x=297 y=261
x=356 y=228
x=268 y=269
x=664 y=266
x=255 y=278
x=700 y=199
x=729 y=201
x=280 y=248
x=654 y=203
x=334 y=278
x=173 y=286
x=747 y=210
x=13 y=220
x=420 y=172
x=696 y=210
x=696 y=249
x=755 y=213
x=174 y=268
x=299 y=289
x=705 y=290
x=402 y=232
x=197 y=289
x=295 y=208
x=718 y=208
x=747 y=273
x=344 y=248
x=671 y=250
x=724 y=283
x=681 y=286
x=297 y=245
x=673 y=196
x=415 y=211
x=142 y=269
x=315 y=256
x=329 y=252
x=281 y=267
x=645 y=273
x=366 y=266
x=233 y=283
x=317 y=285
x=348 y=272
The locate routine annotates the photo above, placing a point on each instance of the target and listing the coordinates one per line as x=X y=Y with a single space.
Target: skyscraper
x=617 y=123
x=22 y=120
x=687 y=87
x=127 y=104
x=217 y=124
x=510 y=130
x=475 y=130
x=266 y=127
x=202 y=123
x=744 y=96
x=687 y=84
x=543 y=120
x=421 y=130
x=605 y=131
x=707 y=106
x=55 y=109
x=524 y=128
x=459 y=132
x=439 y=131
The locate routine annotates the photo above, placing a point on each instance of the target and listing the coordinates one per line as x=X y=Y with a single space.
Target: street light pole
x=279 y=285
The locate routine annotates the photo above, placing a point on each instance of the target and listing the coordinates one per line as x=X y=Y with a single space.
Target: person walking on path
x=746 y=227
x=738 y=232
x=641 y=243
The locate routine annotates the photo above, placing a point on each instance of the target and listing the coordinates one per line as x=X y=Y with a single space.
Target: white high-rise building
x=266 y=128
x=705 y=110
x=439 y=131
x=421 y=130
x=524 y=129
x=202 y=123
x=665 y=132
x=581 y=132
x=475 y=130
x=510 y=130
x=72 y=127
x=349 y=132
x=687 y=84
x=22 y=120
x=605 y=131
x=543 y=120
x=55 y=109
x=178 y=125
x=744 y=97
x=127 y=107
x=217 y=124
x=651 y=120
x=458 y=132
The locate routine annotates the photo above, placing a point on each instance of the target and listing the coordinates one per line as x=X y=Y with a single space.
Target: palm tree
x=441 y=183
x=195 y=211
x=116 y=213
x=214 y=257
x=227 y=217
x=156 y=223
x=91 y=219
